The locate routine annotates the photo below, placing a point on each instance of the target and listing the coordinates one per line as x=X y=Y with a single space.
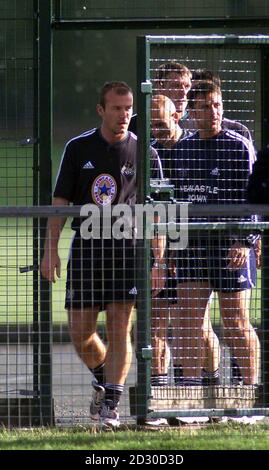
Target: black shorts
x=206 y=260
x=100 y=272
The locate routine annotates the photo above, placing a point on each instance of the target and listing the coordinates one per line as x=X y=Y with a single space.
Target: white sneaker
x=156 y=422
x=243 y=419
x=192 y=419
x=109 y=417
x=97 y=399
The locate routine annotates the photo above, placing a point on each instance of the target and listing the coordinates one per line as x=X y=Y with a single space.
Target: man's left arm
x=239 y=251
x=159 y=267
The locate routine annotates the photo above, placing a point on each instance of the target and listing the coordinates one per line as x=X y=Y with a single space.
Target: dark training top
x=258 y=185
x=94 y=171
x=213 y=171
x=166 y=155
x=133 y=124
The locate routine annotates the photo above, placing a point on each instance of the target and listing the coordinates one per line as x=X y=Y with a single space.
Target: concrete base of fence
x=203 y=397
x=197 y=397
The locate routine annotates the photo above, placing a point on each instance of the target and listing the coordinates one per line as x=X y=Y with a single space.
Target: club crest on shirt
x=215 y=172
x=104 y=189
x=128 y=169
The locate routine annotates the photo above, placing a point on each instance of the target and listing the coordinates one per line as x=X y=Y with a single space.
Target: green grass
x=16 y=294
x=16 y=177
x=16 y=245
x=212 y=437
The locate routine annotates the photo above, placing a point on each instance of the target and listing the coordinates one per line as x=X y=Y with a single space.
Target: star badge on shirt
x=104 y=189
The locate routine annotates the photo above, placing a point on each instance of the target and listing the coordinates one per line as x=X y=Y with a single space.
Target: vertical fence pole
x=45 y=138
x=35 y=203
x=143 y=246
x=265 y=238
x=57 y=6
x=265 y=318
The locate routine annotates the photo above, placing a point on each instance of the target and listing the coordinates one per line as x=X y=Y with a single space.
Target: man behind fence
x=99 y=167
x=166 y=129
x=174 y=81
x=212 y=166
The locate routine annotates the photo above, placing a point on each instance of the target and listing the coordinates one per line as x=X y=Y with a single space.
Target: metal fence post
x=45 y=133
x=143 y=246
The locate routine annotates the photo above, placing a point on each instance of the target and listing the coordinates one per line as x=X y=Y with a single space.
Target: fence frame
x=144 y=90
x=48 y=18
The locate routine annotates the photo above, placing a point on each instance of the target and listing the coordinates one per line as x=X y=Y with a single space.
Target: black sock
x=178 y=374
x=191 y=381
x=235 y=372
x=113 y=394
x=99 y=373
x=210 y=378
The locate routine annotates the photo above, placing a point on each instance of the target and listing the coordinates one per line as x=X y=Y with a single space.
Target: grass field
x=16 y=295
x=213 y=437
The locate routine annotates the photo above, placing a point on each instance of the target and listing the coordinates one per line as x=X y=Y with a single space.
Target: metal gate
x=242 y=64
x=27 y=329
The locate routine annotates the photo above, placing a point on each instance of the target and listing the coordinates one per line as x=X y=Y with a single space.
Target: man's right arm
x=51 y=263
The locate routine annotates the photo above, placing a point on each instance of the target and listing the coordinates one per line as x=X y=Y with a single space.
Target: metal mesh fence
x=204 y=112
x=43 y=381
x=239 y=71
x=16 y=96
x=17 y=161
x=23 y=340
x=25 y=363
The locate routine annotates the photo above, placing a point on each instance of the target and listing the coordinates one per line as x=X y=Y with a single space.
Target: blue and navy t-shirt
x=212 y=171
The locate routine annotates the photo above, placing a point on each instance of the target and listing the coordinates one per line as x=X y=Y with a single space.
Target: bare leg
x=211 y=344
x=88 y=344
x=240 y=334
x=187 y=322
x=159 y=326
x=119 y=350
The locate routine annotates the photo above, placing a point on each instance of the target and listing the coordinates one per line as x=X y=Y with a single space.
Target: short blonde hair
x=165 y=69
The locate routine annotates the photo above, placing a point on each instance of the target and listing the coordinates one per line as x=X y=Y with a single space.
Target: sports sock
x=178 y=374
x=99 y=373
x=159 y=380
x=236 y=376
x=210 y=378
x=190 y=381
x=113 y=394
